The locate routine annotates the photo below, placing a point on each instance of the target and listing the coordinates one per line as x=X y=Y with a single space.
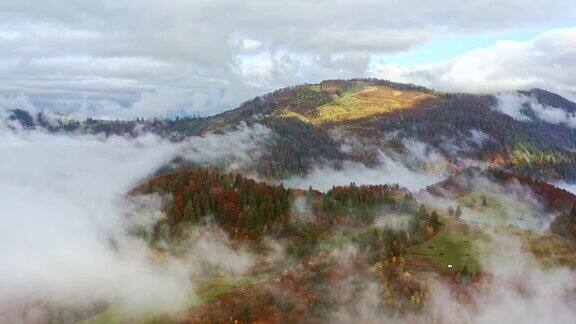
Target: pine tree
x=189 y=212
x=458 y=211
x=435 y=221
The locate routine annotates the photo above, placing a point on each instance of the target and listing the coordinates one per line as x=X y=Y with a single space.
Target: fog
x=393 y=221
x=62 y=202
x=237 y=149
x=65 y=217
x=518 y=105
x=508 y=203
x=389 y=171
x=519 y=289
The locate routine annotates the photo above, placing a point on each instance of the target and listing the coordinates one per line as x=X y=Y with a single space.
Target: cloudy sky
x=128 y=58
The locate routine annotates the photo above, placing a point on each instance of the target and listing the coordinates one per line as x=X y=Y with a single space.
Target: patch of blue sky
x=444 y=48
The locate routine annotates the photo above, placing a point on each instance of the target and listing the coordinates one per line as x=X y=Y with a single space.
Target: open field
x=499 y=209
x=548 y=248
x=212 y=287
x=208 y=289
x=360 y=101
x=502 y=214
x=371 y=101
x=451 y=246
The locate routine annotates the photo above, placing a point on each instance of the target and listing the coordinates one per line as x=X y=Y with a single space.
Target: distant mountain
x=312 y=122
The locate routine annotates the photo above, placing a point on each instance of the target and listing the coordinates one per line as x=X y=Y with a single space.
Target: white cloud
x=59 y=51
x=515 y=105
x=393 y=221
x=63 y=203
x=389 y=171
x=546 y=61
x=237 y=149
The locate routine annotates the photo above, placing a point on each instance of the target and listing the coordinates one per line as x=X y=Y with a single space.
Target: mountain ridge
x=311 y=120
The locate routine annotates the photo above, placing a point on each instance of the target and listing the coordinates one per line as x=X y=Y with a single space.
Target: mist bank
x=66 y=219
x=388 y=172
x=416 y=167
x=66 y=202
x=527 y=108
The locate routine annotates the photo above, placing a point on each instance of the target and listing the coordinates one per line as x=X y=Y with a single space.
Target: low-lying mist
x=65 y=202
x=389 y=171
x=518 y=290
x=65 y=217
x=527 y=108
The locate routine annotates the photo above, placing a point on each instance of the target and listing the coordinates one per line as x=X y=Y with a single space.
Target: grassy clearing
x=549 y=249
x=355 y=88
x=366 y=102
x=451 y=246
x=209 y=288
x=455 y=245
x=360 y=101
x=499 y=210
x=315 y=87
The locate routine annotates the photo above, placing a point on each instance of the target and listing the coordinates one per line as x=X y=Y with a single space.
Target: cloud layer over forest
x=65 y=225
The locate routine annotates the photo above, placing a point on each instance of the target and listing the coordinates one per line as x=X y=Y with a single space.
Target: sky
x=146 y=58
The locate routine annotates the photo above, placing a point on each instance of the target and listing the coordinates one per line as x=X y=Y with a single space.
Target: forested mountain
x=311 y=123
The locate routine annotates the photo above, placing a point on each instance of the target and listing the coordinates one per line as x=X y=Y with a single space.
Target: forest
x=253 y=212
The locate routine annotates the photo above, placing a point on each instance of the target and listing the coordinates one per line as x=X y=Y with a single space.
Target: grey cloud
x=106 y=49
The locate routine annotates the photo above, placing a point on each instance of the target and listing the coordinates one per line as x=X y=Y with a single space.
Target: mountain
x=312 y=122
x=250 y=247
